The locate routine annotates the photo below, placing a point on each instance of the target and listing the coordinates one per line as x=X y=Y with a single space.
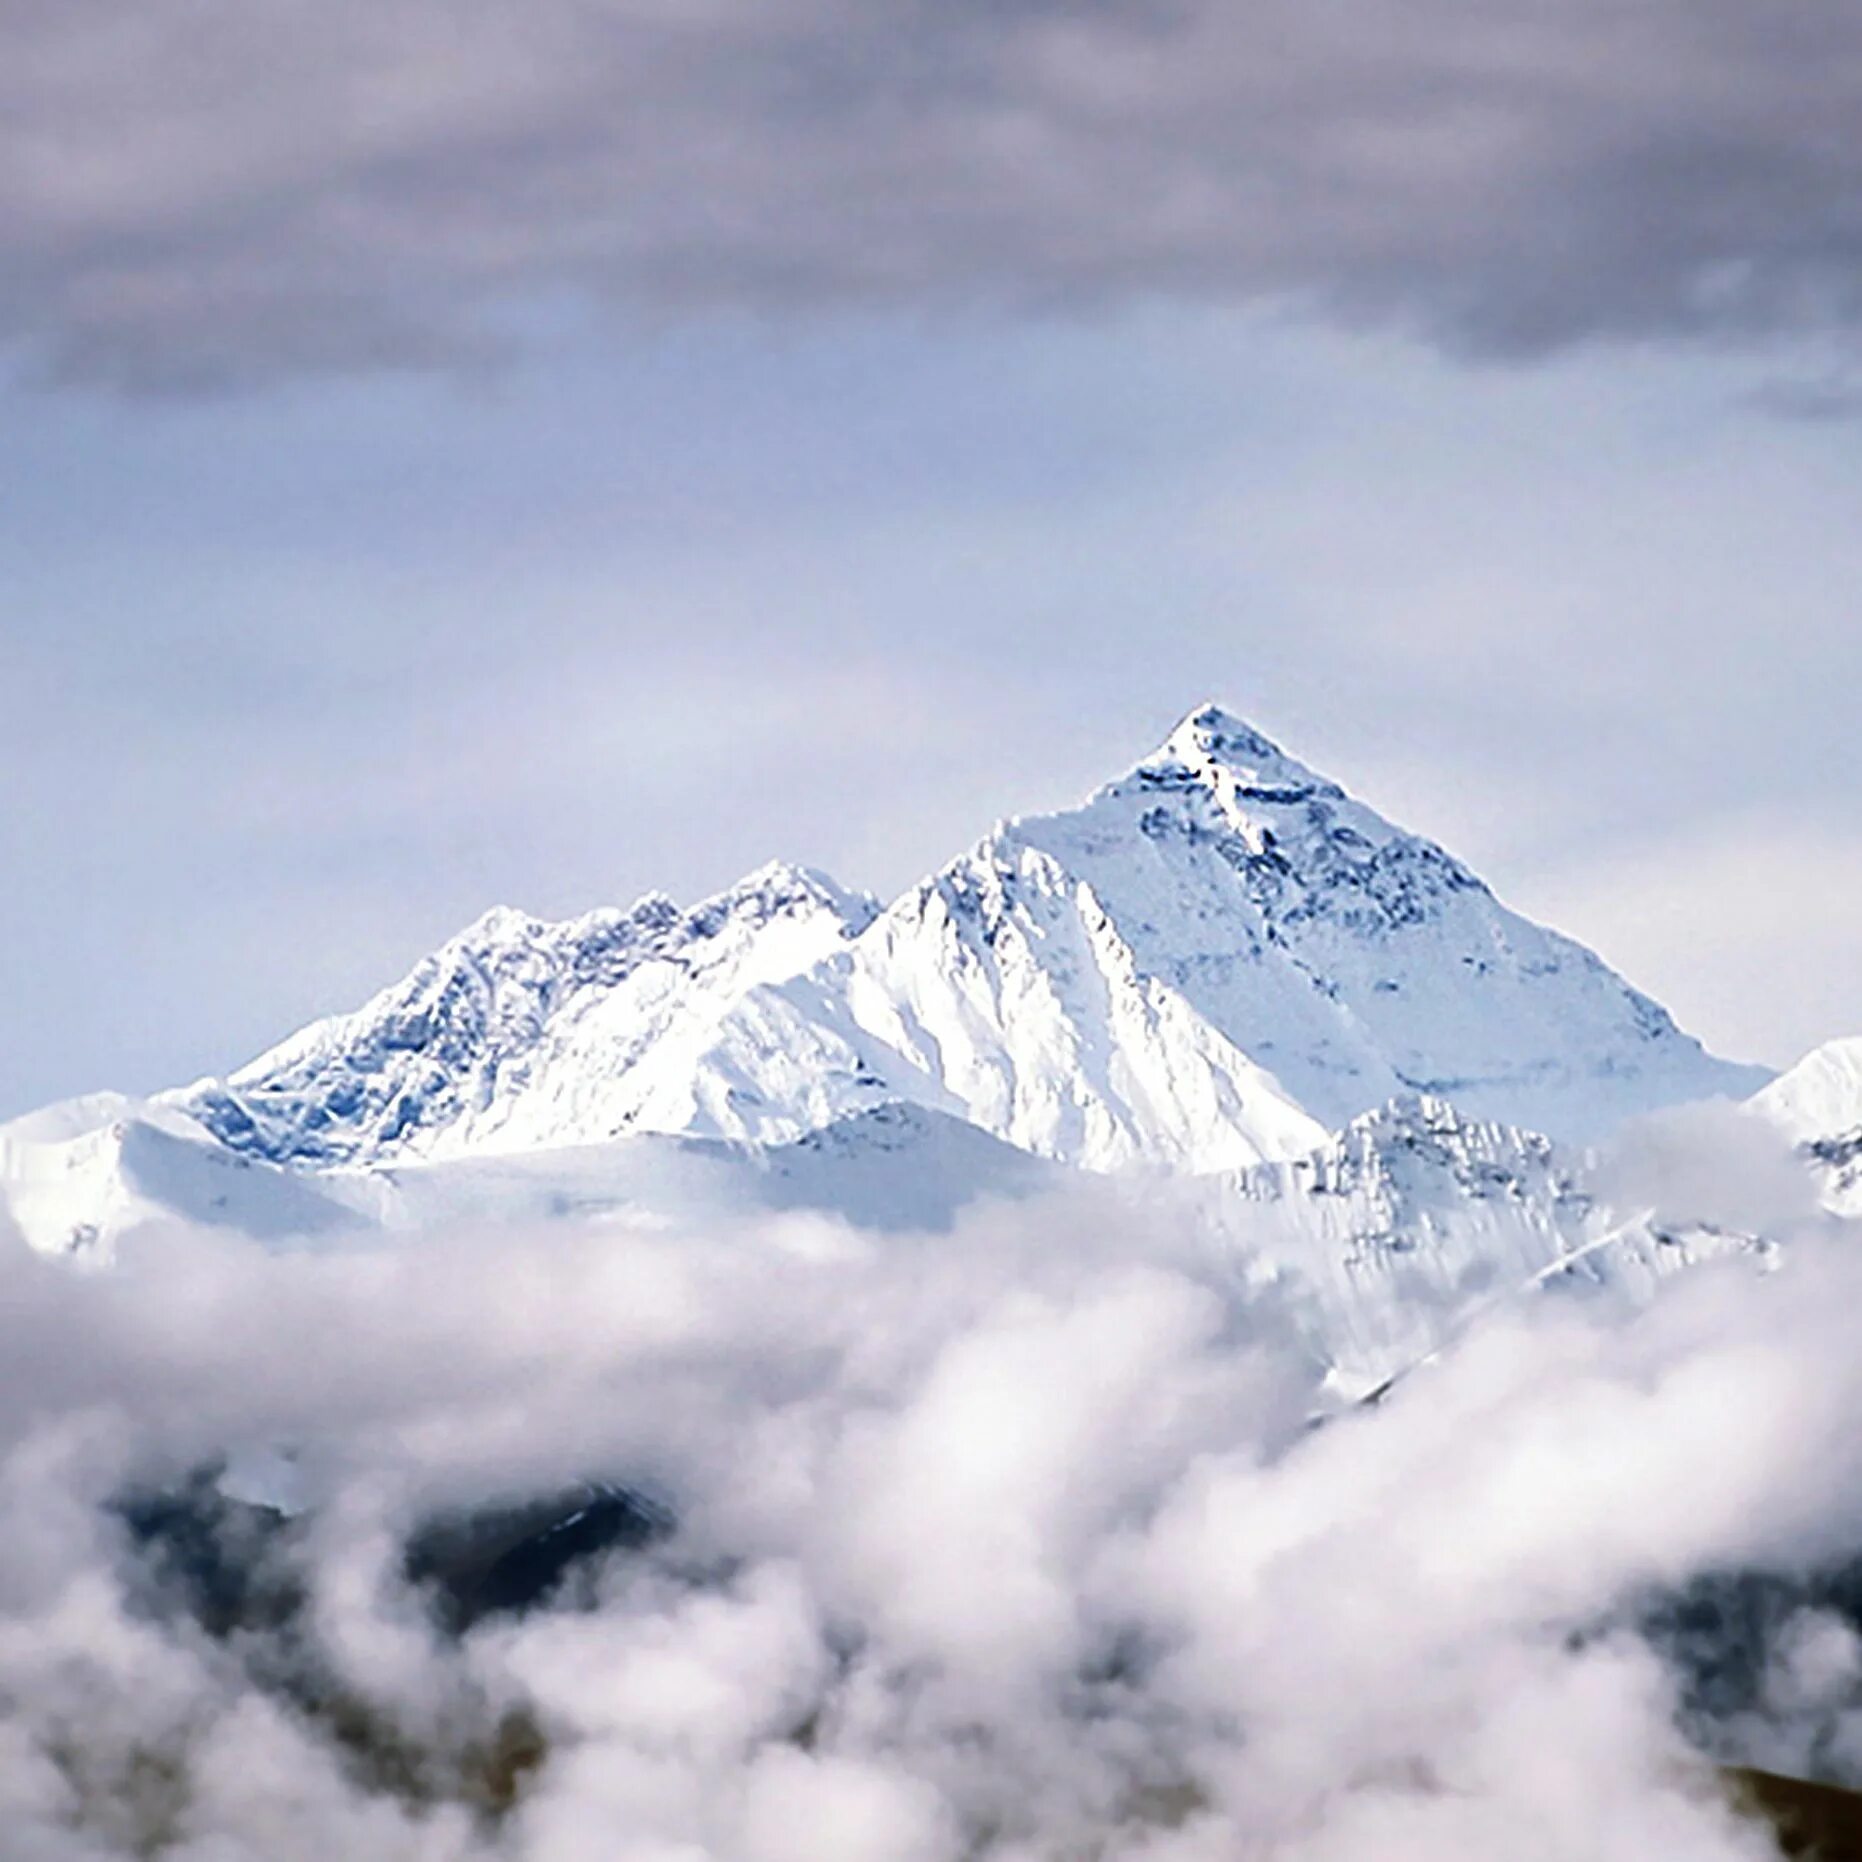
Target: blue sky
x=448 y=512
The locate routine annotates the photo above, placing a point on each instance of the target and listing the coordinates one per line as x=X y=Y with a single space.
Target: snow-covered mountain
x=1216 y=960
x=86 y=1178
x=1818 y=1105
x=1402 y=1228
x=1219 y=969
x=517 y=1034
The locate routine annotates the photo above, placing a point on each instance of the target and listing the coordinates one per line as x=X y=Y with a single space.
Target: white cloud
x=1010 y=1544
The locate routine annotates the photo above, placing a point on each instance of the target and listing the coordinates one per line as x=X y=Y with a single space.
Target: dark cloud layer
x=214 y=191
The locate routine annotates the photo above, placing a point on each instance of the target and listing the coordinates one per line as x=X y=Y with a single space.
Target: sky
x=468 y=454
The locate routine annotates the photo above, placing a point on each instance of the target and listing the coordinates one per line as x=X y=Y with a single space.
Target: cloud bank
x=194 y=191
x=1016 y=1543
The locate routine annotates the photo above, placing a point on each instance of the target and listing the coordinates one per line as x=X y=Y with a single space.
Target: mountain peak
x=1817 y=1105
x=445 y=1058
x=1318 y=955
x=1821 y=1097
x=1218 y=750
x=1211 y=724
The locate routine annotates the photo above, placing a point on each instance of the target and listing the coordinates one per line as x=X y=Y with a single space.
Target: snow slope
x=77 y=1177
x=1379 y=1244
x=898 y=1168
x=1817 y=1104
x=519 y=1035
x=83 y=1179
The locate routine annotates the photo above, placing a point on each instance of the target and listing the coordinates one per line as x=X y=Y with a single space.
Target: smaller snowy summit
x=520 y=1034
x=1818 y=1105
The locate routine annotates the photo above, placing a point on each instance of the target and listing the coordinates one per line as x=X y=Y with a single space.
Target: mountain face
x=1401 y=1229
x=519 y=1034
x=1818 y=1105
x=1216 y=960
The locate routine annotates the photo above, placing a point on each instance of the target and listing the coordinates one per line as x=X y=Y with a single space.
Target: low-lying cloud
x=1013 y=1543
x=193 y=192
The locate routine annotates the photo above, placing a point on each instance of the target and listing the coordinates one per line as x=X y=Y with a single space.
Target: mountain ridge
x=430 y=1065
x=1216 y=959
